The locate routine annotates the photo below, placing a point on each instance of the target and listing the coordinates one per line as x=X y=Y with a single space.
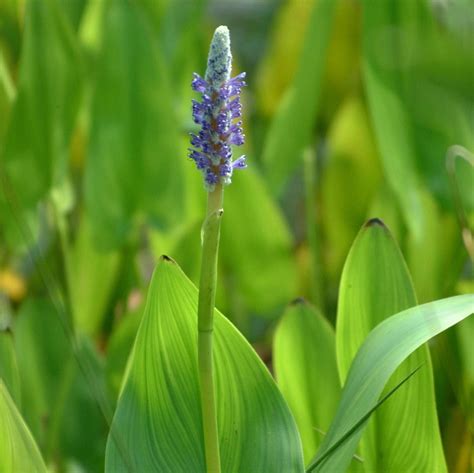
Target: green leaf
x=304 y=357
x=48 y=92
x=7 y=94
x=93 y=279
x=134 y=166
x=375 y=284
x=119 y=348
x=59 y=397
x=8 y=364
x=389 y=119
x=291 y=129
x=18 y=451
x=416 y=73
x=255 y=231
x=386 y=347
x=158 y=415
x=350 y=164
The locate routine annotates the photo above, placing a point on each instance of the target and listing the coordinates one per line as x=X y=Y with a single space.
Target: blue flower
x=217 y=113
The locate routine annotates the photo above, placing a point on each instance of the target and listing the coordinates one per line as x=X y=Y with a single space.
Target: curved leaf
x=18 y=451
x=158 y=414
x=386 y=347
x=304 y=357
x=288 y=136
x=376 y=284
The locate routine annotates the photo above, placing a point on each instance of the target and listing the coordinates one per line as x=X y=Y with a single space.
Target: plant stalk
x=206 y=303
x=312 y=231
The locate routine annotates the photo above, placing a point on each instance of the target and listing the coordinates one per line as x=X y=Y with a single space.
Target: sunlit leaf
x=350 y=164
x=304 y=357
x=292 y=126
x=7 y=93
x=18 y=451
x=158 y=414
x=386 y=347
x=376 y=284
x=92 y=281
x=255 y=232
x=416 y=73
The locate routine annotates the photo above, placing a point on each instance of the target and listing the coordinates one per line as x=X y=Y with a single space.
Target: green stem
x=316 y=290
x=206 y=303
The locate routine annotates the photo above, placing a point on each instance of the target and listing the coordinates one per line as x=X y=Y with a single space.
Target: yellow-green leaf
x=18 y=451
x=304 y=357
x=375 y=284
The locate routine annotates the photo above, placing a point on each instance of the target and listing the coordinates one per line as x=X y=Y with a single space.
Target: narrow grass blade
x=359 y=424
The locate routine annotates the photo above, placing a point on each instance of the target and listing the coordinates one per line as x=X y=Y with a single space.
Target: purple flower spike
x=219 y=107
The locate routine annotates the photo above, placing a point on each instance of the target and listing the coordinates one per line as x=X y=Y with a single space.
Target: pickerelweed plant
x=172 y=382
x=216 y=113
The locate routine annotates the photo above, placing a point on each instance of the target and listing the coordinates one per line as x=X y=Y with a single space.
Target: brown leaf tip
x=373 y=222
x=298 y=301
x=167 y=258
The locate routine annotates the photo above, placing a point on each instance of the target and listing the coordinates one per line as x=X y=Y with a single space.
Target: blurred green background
x=354 y=109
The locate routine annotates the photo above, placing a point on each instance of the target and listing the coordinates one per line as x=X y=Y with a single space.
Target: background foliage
x=350 y=110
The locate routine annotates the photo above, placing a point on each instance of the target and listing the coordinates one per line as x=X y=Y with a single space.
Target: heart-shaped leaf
x=158 y=425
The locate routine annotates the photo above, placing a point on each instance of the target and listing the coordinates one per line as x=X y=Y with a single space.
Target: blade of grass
x=360 y=422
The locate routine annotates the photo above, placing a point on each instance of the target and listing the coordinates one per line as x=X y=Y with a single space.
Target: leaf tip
x=167 y=259
x=374 y=222
x=298 y=301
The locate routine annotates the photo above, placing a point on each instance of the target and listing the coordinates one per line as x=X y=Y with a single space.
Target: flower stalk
x=212 y=153
x=206 y=302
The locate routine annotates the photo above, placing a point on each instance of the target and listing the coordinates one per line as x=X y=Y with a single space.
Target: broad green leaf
x=304 y=357
x=18 y=451
x=134 y=168
x=375 y=284
x=59 y=396
x=386 y=347
x=254 y=231
x=119 y=348
x=291 y=128
x=158 y=416
x=48 y=93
